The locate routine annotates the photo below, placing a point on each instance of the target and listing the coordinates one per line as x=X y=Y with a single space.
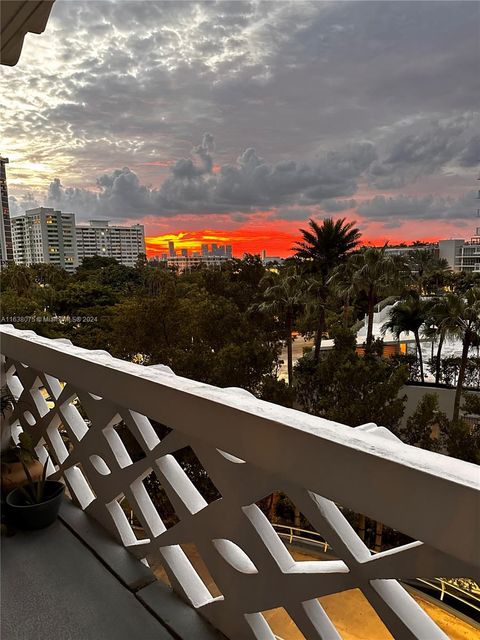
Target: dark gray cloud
x=405 y=207
x=470 y=157
x=249 y=184
x=338 y=205
x=420 y=154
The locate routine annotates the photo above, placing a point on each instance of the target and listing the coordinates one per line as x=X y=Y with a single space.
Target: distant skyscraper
x=229 y=250
x=45 y=235
x=6 y=245
x=214 y=249
x=204 y=249
x=171 y=249
x=184 y=252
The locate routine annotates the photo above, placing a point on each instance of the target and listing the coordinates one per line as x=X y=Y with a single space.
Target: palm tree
x=458 y=316
x=428 y=269
x=328 y=243
x=442 y=318
x=284 y=296
x=468 y=328
x=323 y=247
x=373 y=273
x=409 y=315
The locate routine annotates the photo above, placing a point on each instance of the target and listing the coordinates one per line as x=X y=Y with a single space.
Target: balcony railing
x=69 y=400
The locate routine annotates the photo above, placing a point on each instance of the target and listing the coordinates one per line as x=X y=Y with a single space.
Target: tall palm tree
x=458 y=316
x=373 y=273
x=328 y=243
x=427 y=269
x=323 y=247
x=409 y=315
x=442 y=315
x=284 y=296
x=467 y=328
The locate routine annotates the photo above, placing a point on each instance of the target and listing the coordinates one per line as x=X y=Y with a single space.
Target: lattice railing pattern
x=71 y=400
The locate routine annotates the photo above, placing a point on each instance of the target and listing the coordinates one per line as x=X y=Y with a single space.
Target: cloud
x=405 y=207
x=298 y=86
x=18 y=206
x=338 y=205
x=287 y=76
x=421 y=154
x=470 y=156
x=249 y=184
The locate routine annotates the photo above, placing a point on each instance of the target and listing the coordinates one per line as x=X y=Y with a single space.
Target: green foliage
x=367 y=277
x=350 y=388
x=6 y=401
x=461 y=440
x=407 y=316
x=429 y=428
x=205 y=324
x=471 y=404
x=450 y=367
x=431 y=274
x=425 y=424
x=326 y=245
x=23 y=451
x=277 y=391
x=33 y=492
x=410 y=361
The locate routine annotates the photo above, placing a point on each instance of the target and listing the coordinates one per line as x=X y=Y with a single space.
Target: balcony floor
x=53 y=585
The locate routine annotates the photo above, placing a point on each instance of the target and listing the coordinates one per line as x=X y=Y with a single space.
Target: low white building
x=124 y=244
x=45 y=235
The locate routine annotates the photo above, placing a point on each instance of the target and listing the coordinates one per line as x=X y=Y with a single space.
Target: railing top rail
x=364 y=470
x=61 y=352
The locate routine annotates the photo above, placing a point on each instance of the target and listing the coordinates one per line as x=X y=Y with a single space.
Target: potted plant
x=35 y=505
x=15 y=459
x=6 y=410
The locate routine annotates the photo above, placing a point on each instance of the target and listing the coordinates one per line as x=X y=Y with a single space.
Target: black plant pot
x=36 y=516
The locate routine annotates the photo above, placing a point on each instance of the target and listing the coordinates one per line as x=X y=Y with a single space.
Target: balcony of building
x=143 y=550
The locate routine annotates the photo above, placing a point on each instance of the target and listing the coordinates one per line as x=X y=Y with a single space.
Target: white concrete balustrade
x=249 y=448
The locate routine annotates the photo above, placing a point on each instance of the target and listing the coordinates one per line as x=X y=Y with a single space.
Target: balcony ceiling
x=17 y=18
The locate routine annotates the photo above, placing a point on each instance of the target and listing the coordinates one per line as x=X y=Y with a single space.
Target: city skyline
x=242 y=133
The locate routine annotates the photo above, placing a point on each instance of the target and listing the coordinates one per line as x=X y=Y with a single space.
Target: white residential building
x=124 y=244
x=45 y=235
x=462 y=255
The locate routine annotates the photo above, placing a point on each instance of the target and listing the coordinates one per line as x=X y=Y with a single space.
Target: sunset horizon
x=253 y=241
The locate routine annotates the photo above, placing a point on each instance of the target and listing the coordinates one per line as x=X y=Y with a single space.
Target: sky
x=236 y=122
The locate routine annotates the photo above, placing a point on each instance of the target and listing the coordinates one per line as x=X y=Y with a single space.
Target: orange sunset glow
x=277 y=243
x=252 y=240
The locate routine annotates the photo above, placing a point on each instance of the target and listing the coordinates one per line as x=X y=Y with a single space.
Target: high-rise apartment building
x=125 y=244
x=45 y=235
x=6 y=245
